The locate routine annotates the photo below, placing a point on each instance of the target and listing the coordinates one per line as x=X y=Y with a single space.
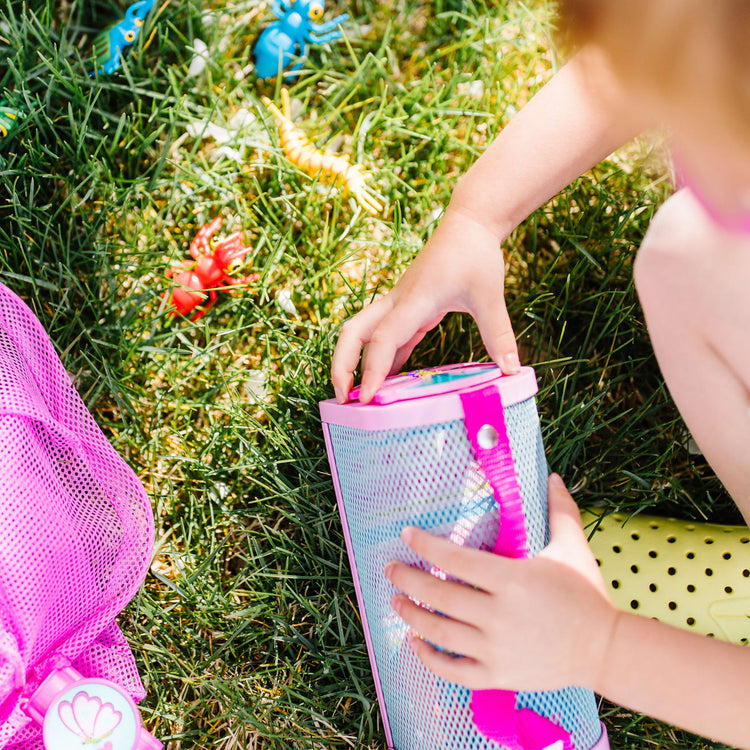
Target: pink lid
x=427 y=396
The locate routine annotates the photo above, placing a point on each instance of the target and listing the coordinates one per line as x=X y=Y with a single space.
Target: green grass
x=246 y=630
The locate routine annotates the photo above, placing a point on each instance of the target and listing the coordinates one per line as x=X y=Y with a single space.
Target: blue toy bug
x=108 y=44
x=287 y=38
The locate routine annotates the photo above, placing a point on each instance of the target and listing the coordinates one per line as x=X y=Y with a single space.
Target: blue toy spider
x=286 y=39
x=108 y=44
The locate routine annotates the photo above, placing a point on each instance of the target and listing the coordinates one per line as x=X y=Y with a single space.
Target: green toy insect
x=9 y=120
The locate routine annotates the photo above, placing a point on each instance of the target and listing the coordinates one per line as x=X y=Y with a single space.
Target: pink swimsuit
x=738 y=222
x=735 y=223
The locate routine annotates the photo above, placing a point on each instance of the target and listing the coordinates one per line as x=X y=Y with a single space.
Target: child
x=546 y=622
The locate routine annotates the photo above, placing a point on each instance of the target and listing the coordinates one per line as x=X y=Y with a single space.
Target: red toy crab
x=200 y=278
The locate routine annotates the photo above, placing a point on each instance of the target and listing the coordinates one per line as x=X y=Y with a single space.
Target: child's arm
x=564 y=130
x=544 y=623
x=685 y=679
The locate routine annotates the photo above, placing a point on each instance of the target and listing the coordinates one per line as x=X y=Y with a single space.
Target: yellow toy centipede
x=314 y=162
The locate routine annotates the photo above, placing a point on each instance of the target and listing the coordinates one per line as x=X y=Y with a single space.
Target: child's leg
x=693 y=279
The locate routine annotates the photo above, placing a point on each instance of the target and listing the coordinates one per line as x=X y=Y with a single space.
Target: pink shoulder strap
x=494 y=711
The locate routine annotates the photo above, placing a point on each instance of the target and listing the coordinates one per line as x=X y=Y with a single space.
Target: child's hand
x=538 y=624
x=460 y=269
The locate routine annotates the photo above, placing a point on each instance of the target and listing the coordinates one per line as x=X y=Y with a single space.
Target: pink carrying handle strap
x=485 y=425
x=494 y=711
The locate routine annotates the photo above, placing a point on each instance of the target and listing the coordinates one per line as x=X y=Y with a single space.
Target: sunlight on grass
x=246 y=631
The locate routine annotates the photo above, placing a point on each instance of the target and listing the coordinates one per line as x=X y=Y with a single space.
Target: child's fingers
x=393 y=334
x=377 y=361
x=472 y=566
x=447 y=597
x=383 y=355
x=355 y=333
x=460 y=670
x=405 y=351
x=444 y=632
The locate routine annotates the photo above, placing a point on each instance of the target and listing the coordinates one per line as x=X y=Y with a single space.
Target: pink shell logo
x=88 y=718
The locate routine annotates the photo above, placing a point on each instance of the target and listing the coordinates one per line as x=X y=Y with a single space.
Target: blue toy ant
x=287 y=38
x=108 y=44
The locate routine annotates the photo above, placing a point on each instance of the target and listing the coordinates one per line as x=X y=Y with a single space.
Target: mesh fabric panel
x=76 y=530
x=427 y=476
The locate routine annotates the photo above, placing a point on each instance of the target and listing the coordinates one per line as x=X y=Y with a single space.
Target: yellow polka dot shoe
x=693 y=575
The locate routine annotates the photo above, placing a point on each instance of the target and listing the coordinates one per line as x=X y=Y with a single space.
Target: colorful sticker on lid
x=92 y=715
x=444 y=374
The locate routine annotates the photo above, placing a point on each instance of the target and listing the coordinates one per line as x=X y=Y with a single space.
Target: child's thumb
x=564 y=517
x=568 y=542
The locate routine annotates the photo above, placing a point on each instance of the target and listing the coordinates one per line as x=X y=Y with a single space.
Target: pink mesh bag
x=75 y=544
x=456 y=450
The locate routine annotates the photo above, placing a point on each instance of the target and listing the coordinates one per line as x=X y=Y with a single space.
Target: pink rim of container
x=407 y=405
